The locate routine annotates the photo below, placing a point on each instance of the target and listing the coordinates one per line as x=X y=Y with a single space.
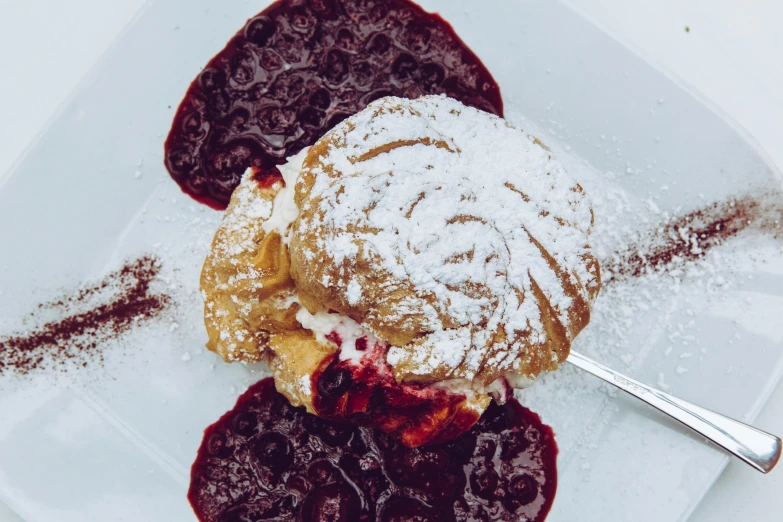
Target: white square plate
x=116 y=442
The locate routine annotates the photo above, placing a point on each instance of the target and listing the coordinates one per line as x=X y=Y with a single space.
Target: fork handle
x=758 y=448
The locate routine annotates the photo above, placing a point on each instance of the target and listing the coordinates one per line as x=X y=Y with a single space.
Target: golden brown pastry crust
x=250 y=298
x=392 y=307
x=245 y=279
x=254 y=284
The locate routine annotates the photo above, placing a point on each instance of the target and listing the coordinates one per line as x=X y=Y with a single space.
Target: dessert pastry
x=417 y=258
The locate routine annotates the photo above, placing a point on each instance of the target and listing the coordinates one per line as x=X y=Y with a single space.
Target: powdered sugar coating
x=450 y=234
x=245 y=284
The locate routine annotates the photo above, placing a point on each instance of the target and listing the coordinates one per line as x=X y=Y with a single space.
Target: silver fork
x=758 y=448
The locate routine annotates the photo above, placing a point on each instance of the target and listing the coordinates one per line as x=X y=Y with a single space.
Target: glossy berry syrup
x=266 y=460
x=299 y=68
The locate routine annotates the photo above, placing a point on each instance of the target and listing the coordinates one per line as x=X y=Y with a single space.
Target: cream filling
x=322 y=323
x=495 y=389
x=284 y=209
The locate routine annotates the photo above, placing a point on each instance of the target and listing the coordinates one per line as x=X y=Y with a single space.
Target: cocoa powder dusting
x=90 y=317
x=690 y=237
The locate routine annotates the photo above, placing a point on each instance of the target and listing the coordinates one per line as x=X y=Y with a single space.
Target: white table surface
x=733 y=54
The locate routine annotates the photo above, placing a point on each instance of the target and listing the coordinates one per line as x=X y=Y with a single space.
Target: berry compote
x=299 y=68
x=266 y=460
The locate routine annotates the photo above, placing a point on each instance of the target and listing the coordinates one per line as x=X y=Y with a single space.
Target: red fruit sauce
x=266 y=460
x=299 y=68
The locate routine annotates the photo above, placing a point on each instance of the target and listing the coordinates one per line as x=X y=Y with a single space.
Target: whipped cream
x=501 y=389
x=284 y=209
x=322 y=323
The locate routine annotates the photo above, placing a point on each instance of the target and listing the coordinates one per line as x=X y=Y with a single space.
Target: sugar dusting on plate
x=664 y=269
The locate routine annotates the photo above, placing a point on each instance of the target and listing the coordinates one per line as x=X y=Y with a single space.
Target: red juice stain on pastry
x=266 y=460
x=300 y=67
x=366 y=393
x=267 y=178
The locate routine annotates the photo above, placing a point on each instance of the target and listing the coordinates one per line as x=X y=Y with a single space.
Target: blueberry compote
x=266 y=460
x=299 y=68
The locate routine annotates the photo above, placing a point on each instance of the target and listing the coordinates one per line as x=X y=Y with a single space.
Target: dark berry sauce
x=266 y=460
x=366 y=393
x=299 y=68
